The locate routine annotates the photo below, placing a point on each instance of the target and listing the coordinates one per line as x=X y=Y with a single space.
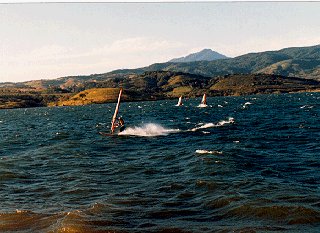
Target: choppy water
x=243 y=164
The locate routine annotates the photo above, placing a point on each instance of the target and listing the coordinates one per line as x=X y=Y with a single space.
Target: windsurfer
x=120 y=123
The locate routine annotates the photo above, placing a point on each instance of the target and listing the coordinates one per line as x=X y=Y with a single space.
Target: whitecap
x=208 y=125
x=208 y=152
x=148 y=130
x=223 y=122
x=306 y=106
x=202 y=106
x=246 y=104
x=230 y=120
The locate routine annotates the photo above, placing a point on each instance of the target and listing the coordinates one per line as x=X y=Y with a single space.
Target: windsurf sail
x=179 y=101
x=113 y=125
x=204 y=99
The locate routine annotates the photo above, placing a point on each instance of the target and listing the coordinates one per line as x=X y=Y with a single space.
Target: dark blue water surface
x=242 y=164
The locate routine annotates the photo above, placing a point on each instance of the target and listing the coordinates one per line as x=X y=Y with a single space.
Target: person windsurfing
x=120 y=123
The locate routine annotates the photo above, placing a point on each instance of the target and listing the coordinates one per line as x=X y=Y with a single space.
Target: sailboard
x=179 y=101
x=106 y=134
x=113 y=125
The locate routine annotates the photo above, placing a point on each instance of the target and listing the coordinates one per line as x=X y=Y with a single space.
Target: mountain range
x=301 y=62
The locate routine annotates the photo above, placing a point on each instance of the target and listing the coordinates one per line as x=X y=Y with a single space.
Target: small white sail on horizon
x=203 y=103
x=179 y=101
x=204 y=99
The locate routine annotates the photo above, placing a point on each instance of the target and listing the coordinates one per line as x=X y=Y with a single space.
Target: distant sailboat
x=204 y=99
x=203 y=103
x=179 y=101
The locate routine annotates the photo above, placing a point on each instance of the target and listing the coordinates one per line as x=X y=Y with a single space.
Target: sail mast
x=116 y=112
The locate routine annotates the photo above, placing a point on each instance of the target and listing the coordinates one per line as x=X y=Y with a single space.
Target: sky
x=52 y=40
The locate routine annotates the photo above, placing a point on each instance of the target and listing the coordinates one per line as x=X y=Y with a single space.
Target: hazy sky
x=51 y=40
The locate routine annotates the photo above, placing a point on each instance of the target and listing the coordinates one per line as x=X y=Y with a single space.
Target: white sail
x=116 y=112
x=203 y=103
x=204 y=99
x=179 y=101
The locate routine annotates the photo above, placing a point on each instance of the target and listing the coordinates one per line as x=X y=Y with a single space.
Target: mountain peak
x=203 y=55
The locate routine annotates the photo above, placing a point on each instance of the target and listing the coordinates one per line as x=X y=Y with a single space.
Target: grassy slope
x=92 y=96
x=157 y=85
x=27 y=97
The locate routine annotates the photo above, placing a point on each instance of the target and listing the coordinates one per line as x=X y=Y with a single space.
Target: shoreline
x=51 y=104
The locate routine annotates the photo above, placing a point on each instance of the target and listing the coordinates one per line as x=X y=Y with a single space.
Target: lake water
x=242 y=164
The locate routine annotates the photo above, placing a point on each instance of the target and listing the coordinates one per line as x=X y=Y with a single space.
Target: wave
x=290 y=214
x=304 y=106
x=208 y=152
x=223 y=122
x=27 y=221
x=148 y=130
x=73 y=221
x=246 y=104
x=230 y=120
x=202 y=105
